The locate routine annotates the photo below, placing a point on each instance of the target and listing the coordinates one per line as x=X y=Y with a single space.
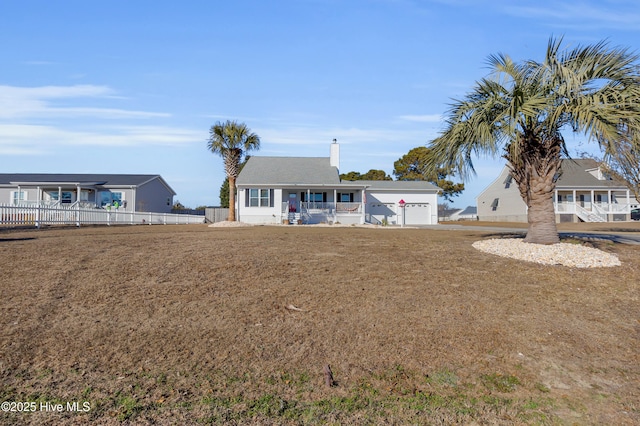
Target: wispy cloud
x=27 y=139
x=620 y=15
x=39 y=102
x=427 y=118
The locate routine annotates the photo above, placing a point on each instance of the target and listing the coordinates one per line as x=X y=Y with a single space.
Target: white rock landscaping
x=565 y=254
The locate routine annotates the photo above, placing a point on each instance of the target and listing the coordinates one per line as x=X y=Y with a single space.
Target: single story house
x=137 y=193
x=308 y=190
x=468 y=213
x=583 y=193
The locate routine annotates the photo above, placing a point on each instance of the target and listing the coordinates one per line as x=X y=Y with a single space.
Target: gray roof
x=279 y=171
x=575 y=175
x=470 y=210
x=275 y=171
x=415 y=185
x=78 y=179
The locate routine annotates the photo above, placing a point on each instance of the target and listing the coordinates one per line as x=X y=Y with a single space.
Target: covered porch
x=66 y=195
x=592 y=205
x=345 y=204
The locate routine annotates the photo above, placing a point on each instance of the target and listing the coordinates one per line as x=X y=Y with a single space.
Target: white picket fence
x=42 y=215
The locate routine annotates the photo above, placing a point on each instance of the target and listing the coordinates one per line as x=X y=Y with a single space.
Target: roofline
x=35 y=183
x=162 y=181
x=301 y=185
x=102 y=183
x=486 y=188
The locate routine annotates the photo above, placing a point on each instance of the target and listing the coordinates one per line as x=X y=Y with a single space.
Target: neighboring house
x=138 y=193
x=468 y=213
x=448 y=214
x=583 y=193
x=309 y=190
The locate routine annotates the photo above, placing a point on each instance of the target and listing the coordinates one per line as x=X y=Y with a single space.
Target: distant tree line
x=412 y=166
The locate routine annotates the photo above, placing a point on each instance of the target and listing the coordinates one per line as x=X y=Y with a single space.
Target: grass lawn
x=189 y=325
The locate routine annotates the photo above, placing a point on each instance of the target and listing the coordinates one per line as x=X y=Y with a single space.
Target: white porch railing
x=600 y=208
x=565 y=207
x=330 y=207
x=25 y=215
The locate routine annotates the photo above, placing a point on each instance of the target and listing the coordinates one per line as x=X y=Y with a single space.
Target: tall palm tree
x=520 y=109
x=231 y=140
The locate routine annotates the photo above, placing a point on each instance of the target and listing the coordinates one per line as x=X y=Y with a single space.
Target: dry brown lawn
x=188 y=325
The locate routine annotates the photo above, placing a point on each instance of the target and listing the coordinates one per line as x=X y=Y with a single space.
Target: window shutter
x=246 y=198
x=351 y=197
x=271 y=193
x=324 y=197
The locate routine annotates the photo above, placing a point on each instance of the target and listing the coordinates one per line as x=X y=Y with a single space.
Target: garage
x=417 y=214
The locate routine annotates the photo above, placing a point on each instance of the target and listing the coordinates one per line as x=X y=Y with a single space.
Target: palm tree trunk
x=541 y=214
x=232 y=199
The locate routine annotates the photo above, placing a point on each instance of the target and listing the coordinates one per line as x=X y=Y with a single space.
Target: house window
x=345 y=197
x=494 y=205
x=18 y=196
x=67 y=197
x=507 y=182
x=258 y=197
x=108 y=198
x=317 y=197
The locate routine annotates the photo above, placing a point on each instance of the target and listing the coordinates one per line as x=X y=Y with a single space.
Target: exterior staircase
x=588 y=216
x=293 y=218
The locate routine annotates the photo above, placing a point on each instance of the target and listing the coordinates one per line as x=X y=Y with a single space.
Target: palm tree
x=231 y=140
x=519 y=110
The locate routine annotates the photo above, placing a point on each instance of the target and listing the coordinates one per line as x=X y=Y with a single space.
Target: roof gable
x=575 y=173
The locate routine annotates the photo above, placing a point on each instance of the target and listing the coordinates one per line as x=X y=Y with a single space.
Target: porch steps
x=294 y=218
x=588 y=216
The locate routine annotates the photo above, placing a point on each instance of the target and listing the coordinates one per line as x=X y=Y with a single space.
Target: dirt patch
x=186 y=324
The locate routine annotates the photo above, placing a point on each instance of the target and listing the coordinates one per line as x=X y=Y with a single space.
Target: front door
x=293 y=202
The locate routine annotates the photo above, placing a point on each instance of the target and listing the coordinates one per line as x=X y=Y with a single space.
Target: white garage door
x=417 y=214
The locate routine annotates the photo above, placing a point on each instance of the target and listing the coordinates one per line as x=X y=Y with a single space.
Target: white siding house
x=583 y=193
x=307 y=190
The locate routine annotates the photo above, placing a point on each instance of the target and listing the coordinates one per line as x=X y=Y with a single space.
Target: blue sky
x=132 y=86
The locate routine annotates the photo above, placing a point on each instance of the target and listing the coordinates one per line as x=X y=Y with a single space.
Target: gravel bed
x=573 y=255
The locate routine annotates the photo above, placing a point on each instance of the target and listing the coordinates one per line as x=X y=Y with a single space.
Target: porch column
x=60 y=195
x=555 y=200
x=335 y=205
x=593 y=200
x=363 y=203
x=610 y=206
x=17 y=200
x=78 y=206
x=575 y=207
x=38 y=205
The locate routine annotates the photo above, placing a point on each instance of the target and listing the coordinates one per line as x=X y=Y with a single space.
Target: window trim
x=263 y=197
x=19 y=195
